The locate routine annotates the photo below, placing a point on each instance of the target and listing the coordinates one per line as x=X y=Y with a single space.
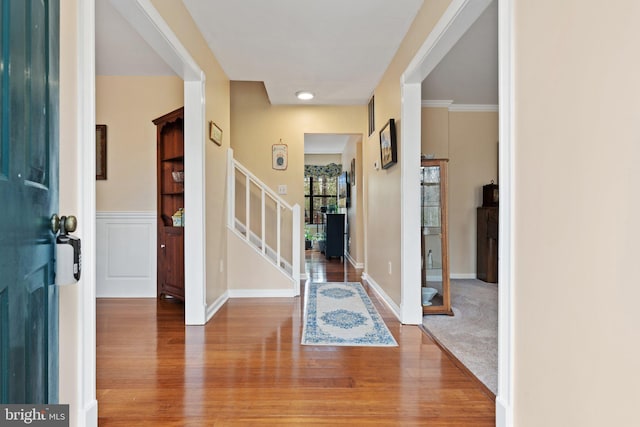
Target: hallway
x=247 y=367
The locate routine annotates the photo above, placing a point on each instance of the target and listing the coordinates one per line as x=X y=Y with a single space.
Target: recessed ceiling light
x=304 y=95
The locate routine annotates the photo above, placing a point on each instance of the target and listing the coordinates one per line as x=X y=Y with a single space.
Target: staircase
x=265 y=222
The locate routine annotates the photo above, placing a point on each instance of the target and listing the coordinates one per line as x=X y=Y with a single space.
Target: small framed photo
x=388 y=145
x=215 y=133
x=353 y=172
x=101 y=152
x=279 y=156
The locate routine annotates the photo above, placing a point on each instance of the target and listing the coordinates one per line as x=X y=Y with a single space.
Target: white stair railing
x=276 y=233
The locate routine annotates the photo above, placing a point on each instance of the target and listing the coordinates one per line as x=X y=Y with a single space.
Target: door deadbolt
x=63 y=224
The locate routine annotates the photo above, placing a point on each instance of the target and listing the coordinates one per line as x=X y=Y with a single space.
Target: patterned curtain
x=331 y=170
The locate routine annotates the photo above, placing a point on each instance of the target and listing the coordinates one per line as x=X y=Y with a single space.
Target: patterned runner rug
x=342 y=314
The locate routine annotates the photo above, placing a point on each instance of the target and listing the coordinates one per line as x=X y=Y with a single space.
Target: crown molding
x=473 y=108
x=458 y=108
x=435 y=103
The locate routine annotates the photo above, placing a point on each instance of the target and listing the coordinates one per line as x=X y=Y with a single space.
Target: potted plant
x=307 y=238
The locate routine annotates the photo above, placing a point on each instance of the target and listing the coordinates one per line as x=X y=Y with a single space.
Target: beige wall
x=358 y=194
x=263 y=276
x=577 y=145
x=217 y=109
x=470 y=141
x=257 y=125
x=322 y=159
x=473 y=154
x=127 y=105
x=355 y=220
x=435 y=132
x=382 y=196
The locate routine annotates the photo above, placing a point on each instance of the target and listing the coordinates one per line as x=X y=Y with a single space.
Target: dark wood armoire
x=170 y=188
x=487 y=244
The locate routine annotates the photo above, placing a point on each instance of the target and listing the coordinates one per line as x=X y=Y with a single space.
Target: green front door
x=28 y=198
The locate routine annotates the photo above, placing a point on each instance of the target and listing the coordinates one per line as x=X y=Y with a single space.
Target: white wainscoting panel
x=126 y=254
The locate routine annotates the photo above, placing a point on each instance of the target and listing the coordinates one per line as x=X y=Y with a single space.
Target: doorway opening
x=331 y=198
x=460 y=124
x=455 y=22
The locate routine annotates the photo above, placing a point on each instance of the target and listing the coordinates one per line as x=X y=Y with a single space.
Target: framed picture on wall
x=344 y=192
x=279 y=156
x=353 y=172
x=101 y=152
x=215 y=133
x=388 y=145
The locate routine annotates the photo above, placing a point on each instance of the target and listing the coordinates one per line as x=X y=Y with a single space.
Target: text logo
x=34 y=415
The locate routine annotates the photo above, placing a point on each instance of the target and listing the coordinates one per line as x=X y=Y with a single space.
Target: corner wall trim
x=90 y=414
x=86 y=407
x=505 y=410
x=503 y=413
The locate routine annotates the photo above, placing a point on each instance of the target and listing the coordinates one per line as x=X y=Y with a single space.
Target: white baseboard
x=463 y=276
x=354 y=263
x=382 y=294
x=261 y=293
x=216 y=305
x=126 y=254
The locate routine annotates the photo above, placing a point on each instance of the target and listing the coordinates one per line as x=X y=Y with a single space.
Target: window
x=318 y=192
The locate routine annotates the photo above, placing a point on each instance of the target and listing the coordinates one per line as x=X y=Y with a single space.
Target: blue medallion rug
x=342 y=314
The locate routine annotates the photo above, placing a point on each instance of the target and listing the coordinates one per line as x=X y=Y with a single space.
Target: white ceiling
x=336 y=49
x=468 y=74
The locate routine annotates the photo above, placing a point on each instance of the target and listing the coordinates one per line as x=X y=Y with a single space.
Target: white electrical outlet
x=282 y=189
x=390 y=267
x=221 y=265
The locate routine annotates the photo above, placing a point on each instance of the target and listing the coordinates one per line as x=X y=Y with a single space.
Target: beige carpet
x=472 y=333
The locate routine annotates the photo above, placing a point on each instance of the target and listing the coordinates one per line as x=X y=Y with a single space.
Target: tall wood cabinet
x=435 y=235
x=487 y=244
x=170 y=180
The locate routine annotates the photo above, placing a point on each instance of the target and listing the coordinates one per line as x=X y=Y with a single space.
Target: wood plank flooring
x=246 y=367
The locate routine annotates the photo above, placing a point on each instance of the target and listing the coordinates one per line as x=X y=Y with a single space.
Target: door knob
x=163 y=246
x=64 y=224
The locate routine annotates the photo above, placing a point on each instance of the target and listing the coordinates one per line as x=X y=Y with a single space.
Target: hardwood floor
x=246 y=367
